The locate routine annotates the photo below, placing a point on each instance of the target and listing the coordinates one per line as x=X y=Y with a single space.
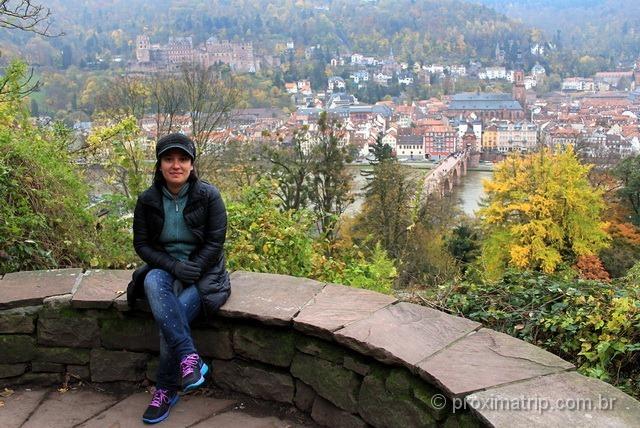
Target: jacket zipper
x=175 y=201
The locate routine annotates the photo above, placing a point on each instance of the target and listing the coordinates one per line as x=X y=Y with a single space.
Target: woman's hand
x=187 y=271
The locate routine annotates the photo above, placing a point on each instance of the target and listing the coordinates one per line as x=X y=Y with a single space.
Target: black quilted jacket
x=206 y=216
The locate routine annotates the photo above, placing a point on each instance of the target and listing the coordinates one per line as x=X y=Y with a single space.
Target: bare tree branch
x=26 y=15
x=209 y=99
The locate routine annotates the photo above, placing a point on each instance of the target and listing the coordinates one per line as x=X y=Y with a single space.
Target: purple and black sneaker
x=160 y=406
x=193 y=372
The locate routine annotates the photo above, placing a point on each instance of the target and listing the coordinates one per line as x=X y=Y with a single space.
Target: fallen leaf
x=6 y=393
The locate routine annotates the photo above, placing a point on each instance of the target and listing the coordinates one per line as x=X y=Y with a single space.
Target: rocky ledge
x=348 y=357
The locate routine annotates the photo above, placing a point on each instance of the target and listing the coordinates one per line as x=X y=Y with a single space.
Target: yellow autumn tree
x=541 y=212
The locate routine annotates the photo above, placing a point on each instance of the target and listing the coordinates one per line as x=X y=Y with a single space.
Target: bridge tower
x=471 y=144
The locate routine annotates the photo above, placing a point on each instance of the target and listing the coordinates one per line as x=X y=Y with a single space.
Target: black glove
x=187 y=271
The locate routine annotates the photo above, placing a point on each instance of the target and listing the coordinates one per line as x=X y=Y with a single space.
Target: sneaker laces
x=160 y=396
x=189 y=364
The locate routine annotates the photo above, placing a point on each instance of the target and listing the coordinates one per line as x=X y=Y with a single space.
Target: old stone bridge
x=339 y=356
x=448 y=173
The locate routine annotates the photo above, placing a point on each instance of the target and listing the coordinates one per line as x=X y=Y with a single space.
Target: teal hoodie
x=176 y=237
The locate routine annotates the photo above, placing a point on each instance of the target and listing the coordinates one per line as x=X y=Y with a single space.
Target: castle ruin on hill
x=180 y=50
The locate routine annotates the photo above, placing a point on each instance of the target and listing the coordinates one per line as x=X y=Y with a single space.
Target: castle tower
x=142 y=48
x=519 y=90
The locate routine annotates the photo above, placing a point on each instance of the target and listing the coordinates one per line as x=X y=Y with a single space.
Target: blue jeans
x=173 y=314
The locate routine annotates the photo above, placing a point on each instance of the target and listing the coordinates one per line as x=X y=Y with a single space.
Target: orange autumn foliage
x=591 y=267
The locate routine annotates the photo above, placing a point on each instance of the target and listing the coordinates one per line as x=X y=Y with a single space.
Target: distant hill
x=609 y=28
x=412 y=29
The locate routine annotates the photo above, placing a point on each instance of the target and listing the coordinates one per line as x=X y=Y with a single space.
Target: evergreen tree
x=386 y=214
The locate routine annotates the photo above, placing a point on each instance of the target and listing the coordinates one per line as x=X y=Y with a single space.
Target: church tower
x=519 y=91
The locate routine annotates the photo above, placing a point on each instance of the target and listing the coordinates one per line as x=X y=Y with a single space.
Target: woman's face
x=175 y=166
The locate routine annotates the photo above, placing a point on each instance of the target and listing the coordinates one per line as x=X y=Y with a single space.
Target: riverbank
x=483 y=166
x=469 y=191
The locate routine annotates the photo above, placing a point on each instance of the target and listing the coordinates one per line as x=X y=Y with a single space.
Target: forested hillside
x=610 y=28
x=421 y=30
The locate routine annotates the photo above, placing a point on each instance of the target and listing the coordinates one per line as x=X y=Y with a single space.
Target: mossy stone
x=63 y=355
x=380 y=408
x=332 y=381
x=17 y=348
x=275 y=347
x=321 y=349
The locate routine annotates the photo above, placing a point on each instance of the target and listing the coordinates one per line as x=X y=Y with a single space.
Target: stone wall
x=348 y=357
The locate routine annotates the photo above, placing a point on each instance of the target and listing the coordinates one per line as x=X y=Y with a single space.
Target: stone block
x=16 y=348
x=62 y=301
x=304 y=396
x=11 y=370
x=152 y=369
x=121 y=304
x=20 y=405
x=330 y=380
x=191 y=410
x=241 y=420
x=99 y=288
x=68 y=328
x=78 y=372
x=39 y=367
x=555 y=401
x=113 y=366
x=357 y=363
x=486 y=359
x=425 y=393
x=399 y=381
x=273 y=347
x=380 y=408
x=69 y=408
x=40 y=379
x=253 y=380
x=404 y=333
x=269 y=298
x=130 y=333
x=213 y=343
x=63 y=355
x=15 y=321
x=32 y=287
x=321 y=349
x=328 y=415
x=337 y=306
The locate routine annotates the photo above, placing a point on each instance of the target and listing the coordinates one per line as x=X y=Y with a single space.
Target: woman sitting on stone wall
x=179 y=229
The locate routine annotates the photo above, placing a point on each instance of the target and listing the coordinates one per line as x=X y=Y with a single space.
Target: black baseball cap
x=176 y=141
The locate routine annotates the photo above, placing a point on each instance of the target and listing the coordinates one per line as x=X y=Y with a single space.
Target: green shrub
x=595 y=325
x=43 y=223
x=44 y=220
x=262 y=238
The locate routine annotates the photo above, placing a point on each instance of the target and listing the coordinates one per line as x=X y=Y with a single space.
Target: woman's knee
x=157 y=279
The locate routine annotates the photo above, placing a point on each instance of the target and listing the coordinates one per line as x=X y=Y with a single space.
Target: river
x=470 y=191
